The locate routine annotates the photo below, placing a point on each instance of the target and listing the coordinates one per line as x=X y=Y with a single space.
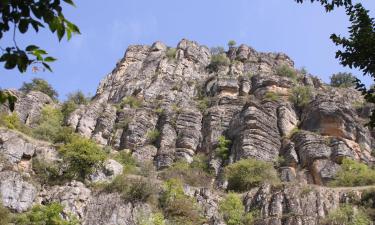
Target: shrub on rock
x=249 y=173
x=81 y=156
x=343 y=80
x=353 y=174
x=38 y=84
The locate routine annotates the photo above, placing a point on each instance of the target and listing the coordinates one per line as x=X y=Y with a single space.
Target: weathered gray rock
x=29 y=106
x=73 y=196
x=295 y=204
x=107 y=172
x=110 y=209
x=16 y=193
x=310 y=146
x=332 y=114
x=145 y=154
x=254 y=133
x=18 y=149
x=188 y=126
x=287 y=119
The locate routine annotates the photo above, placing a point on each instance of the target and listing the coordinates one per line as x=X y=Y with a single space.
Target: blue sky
x=301 y=31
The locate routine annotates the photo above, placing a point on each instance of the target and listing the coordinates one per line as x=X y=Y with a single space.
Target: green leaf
x=22 y=63
x=49 y=59
x=36 y=25
x=23 y=26
x=60 y=32
x=70 y=2
x=31 y=48
x=68 y=34
x=11 y=61
x=47 y=66
x=72 y=27
x=54 y=24
x=39 y=52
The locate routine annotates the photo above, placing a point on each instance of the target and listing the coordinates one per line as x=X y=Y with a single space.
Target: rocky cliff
x=165 y=105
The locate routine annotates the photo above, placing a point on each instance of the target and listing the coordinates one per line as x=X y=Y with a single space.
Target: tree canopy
x=38 y=84
x=17 y=17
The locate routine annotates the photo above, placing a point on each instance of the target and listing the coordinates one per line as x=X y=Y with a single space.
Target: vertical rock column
x=189 y=124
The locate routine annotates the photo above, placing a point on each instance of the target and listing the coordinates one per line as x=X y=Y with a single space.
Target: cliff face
x=191 y=106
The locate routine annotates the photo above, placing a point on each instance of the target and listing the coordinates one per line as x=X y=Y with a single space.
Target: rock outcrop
x=163 y=106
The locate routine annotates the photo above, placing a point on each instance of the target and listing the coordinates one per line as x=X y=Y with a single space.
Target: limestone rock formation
x=164 y=105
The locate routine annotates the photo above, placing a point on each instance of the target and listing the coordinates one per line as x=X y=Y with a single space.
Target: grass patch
x=195 y=174
x=179 y=208
x=139 y=189
x=217 y=61
x=353 y=174
x=348 y=215
x=171 y=53
x=272 y=96
x=132 y=101
x=287 y=71
x=153 y=135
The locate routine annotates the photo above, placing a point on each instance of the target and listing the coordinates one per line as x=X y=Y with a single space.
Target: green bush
x=67 y=108
x=271 y=96
x=151 y=219
x=233 y=211
x=249 y=173
x=231 y=43
x=368 y=202
x=123 y=123
x=132 y=101
x=13 y=122
x=347 y=215
x=343 y=80
x=46 y=173
x=171 y=53
x=65 y=135
x=38 y=84
x=353 y=174
x=158 y=219
x=303 y=71
x=49 y=124
x=218 y=61
x=71 y=104
x=133 y=190
x=201 y=161
x=203 y=104
x=127 y=160
x=300 y=96
x=179 y=208
x=153 y=135
x=5 y=215
x=81 y=155
x=50 y=214
x=192 y=174
x=287 y=71
x=222 y=149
